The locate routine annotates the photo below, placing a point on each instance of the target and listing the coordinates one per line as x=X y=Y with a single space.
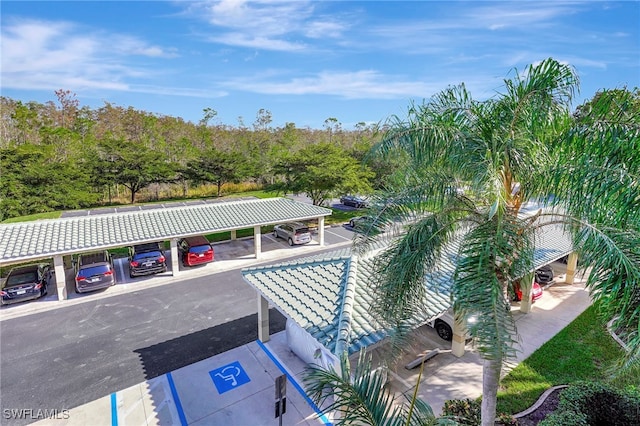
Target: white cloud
x=48 y=55
x=366 y=84
x=504 y=15
x=270 y=25
x=257 y=42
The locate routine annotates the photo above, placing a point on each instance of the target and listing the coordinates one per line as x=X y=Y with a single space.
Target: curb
x=615 y=336
x=539 y=402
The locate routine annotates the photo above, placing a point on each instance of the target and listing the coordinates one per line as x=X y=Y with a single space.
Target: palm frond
x=493 y=255
x=402 y=267
x=361 y=397
x=597 y=176
x=613 y=257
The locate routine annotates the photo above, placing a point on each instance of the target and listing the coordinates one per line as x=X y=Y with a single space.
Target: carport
x=328 y=302
x=60 y=238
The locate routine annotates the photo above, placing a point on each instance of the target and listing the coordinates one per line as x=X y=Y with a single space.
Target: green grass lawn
x=37 y=216
x=583 y=350
x=342 y=216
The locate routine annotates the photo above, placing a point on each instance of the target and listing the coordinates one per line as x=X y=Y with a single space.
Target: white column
x=61 y=277
x=233 y=234
x=526 y=286
x=459 y=338
x=175 y=261
x=572 y=265
x=263 y=319
x=321 y=230
x=257 y=241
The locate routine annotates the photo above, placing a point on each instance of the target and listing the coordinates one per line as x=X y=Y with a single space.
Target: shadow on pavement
x=173 y=354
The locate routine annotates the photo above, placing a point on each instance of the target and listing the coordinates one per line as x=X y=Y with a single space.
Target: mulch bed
x=548 y=406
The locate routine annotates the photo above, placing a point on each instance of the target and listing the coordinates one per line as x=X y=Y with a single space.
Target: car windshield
x=93 y=270
x=200 y=249
x=23 y=278
x=147 y=255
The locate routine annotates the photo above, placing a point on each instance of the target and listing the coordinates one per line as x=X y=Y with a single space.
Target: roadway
x=65 y=357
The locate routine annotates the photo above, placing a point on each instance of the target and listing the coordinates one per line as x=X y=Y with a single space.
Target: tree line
x=61 y=155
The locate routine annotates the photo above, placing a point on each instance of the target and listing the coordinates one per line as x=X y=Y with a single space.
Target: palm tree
x=360 y=397
x=470 y=168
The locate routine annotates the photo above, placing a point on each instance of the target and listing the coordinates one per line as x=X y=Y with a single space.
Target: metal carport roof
x=46 y=238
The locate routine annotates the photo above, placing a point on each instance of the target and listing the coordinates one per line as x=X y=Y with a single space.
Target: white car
x=444 y=325
x=293 y=232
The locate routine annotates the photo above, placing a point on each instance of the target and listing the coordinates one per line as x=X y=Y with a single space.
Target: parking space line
x=295 y=384
x=176 y=400
x=114 y=410
x=338 y=235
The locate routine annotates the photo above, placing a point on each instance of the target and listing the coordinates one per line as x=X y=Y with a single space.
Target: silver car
x=293 y=232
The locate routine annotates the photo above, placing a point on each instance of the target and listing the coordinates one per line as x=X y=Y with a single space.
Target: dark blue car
x=25 y=283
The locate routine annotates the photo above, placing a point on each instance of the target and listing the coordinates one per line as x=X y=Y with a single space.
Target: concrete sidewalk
x=448 y=377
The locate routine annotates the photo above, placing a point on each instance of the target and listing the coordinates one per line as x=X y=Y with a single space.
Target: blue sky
x=305 y=62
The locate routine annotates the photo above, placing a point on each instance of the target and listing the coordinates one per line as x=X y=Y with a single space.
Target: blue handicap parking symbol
x=229 y=377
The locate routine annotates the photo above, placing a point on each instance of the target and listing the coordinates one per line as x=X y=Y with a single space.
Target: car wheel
x=131 y=275
x=78 y=291
x=290 y=242
x=275 y=234
x=444 y=331
x=352 y=224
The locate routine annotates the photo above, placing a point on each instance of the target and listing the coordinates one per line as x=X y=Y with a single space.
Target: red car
x=195 y=251
x=536 y=292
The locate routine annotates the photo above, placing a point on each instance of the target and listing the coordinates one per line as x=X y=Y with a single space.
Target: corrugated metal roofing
x=311 y=291
x=44 y=238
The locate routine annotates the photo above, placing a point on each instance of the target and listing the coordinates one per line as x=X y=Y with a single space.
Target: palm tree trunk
x=490 y=380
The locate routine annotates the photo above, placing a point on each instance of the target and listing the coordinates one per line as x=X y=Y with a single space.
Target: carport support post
x=572 y=265
x=321 y=230
x=459 y=338
x=61 y=277
x=233 y=234
x=526 y=286
x=263 y=319
x=257 y=241
x=175 y=268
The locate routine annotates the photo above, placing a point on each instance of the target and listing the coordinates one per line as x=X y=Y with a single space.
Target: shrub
x=565 y=418
x=465 y=411
x=468 y=412
x=506 y=420
x=596 y=403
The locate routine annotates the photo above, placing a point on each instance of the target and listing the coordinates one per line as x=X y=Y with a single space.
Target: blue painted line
x=176 y=399
x=114 y=410
x=295 y=384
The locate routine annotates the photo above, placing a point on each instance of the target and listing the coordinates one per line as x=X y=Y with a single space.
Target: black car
x=25 y=283
x=354 y=201
x=146 y=259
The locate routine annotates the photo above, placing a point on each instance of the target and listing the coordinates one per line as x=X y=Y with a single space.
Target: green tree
x=321 y=171
x=218 y=167
x=34 y=183
x=470 y=166
x=133 y=165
